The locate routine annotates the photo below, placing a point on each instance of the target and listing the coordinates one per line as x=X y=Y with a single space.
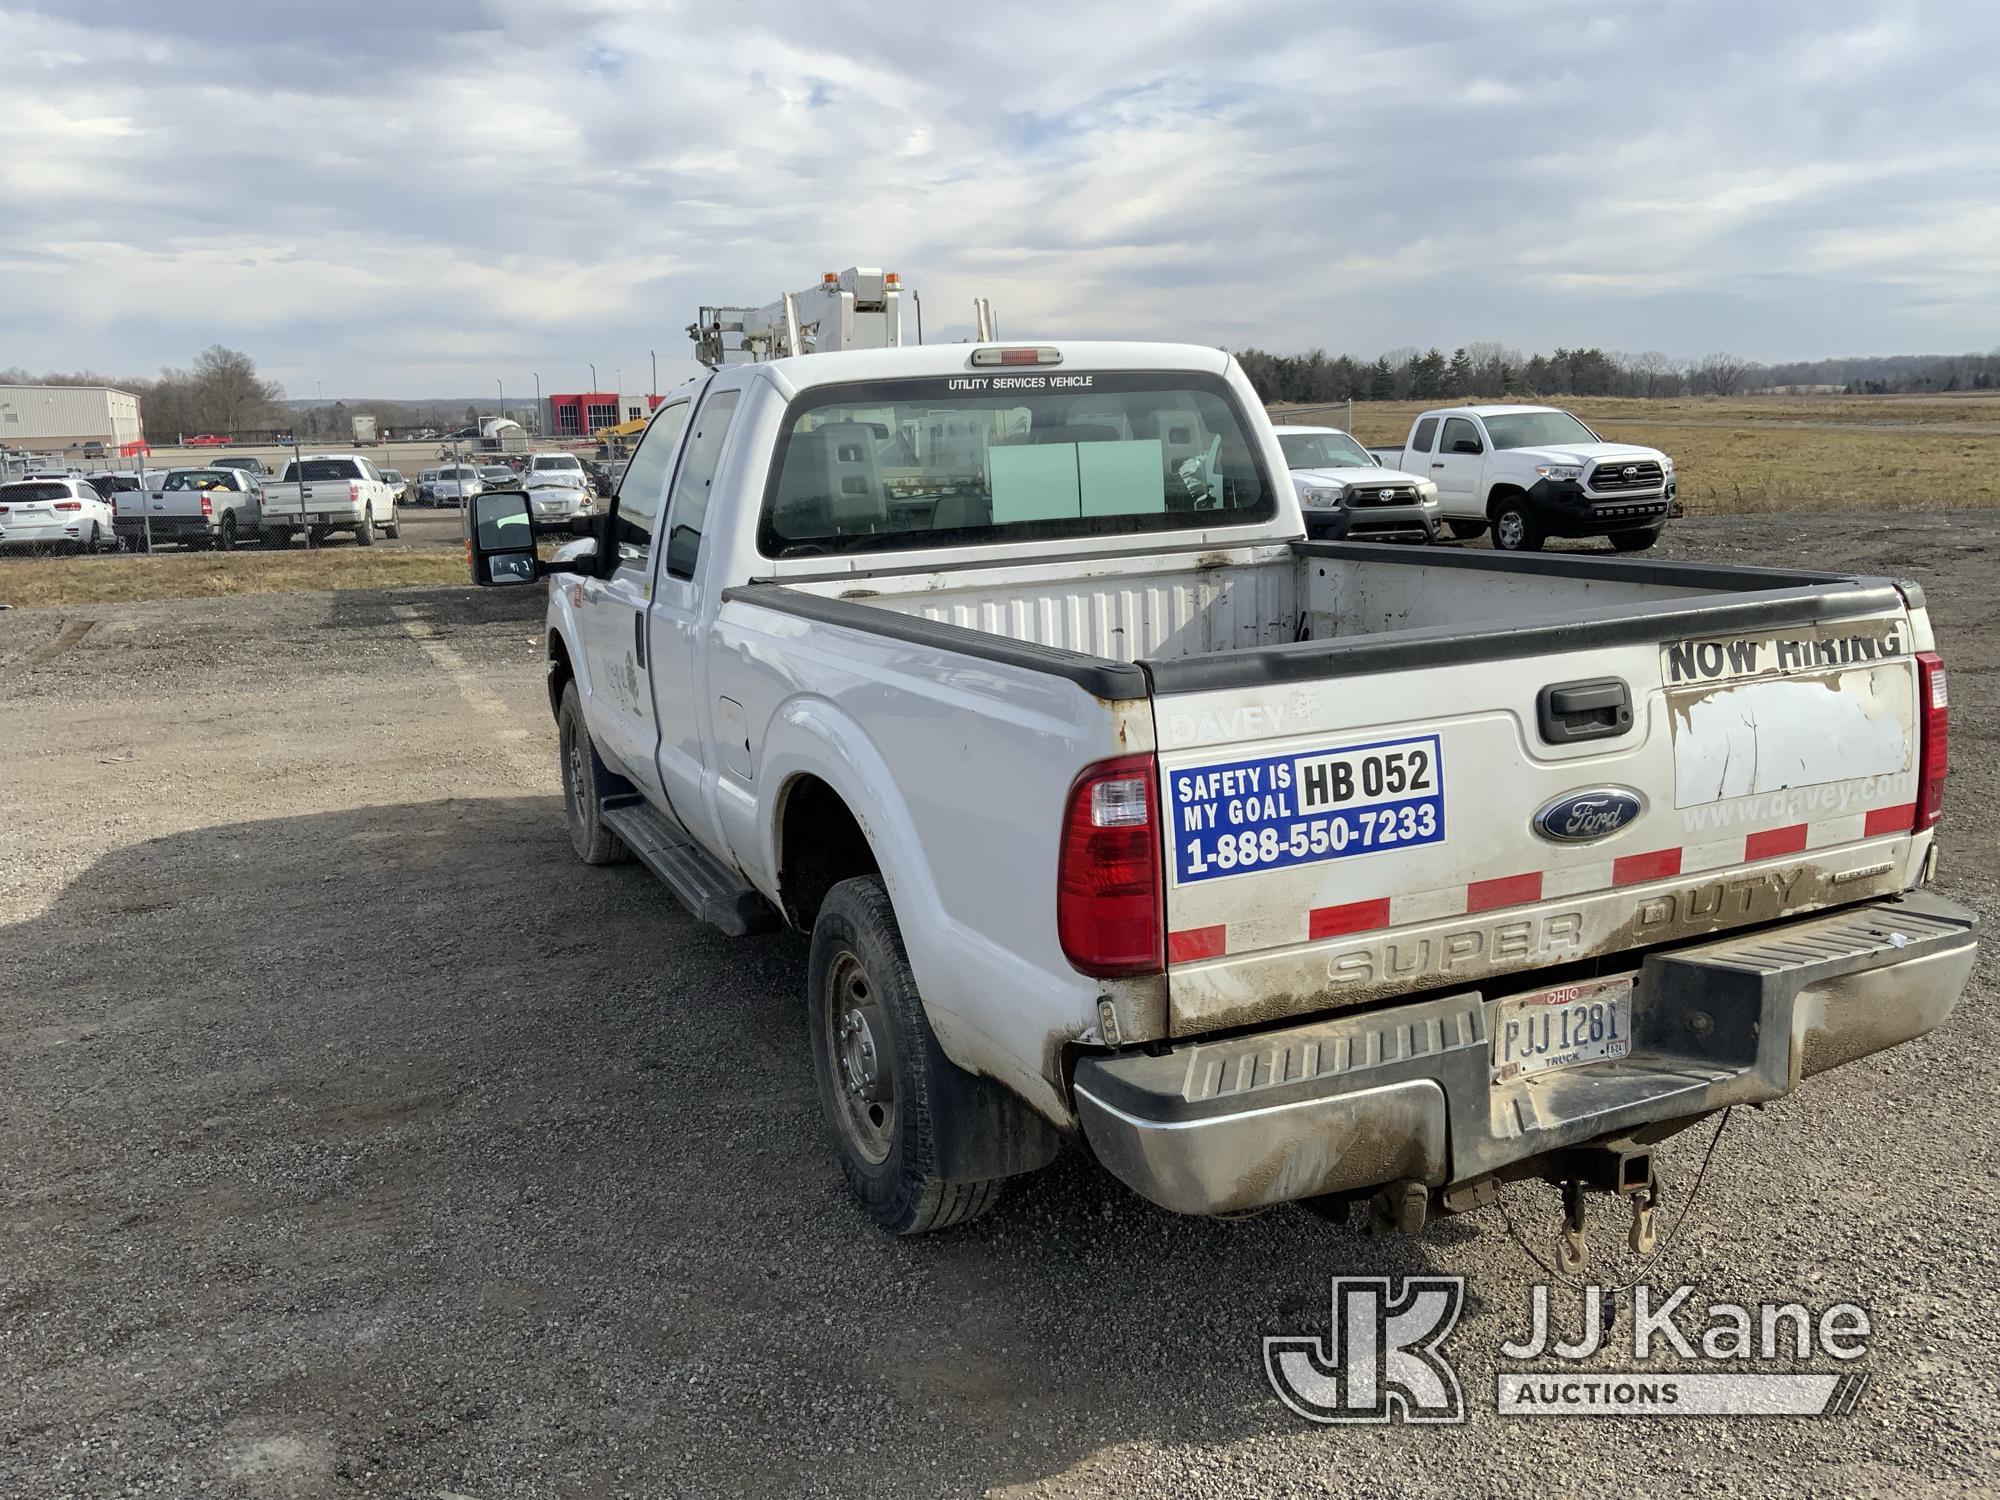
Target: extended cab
x=1534 y=472
x=1264 y=868
x=330 y=492
x=194 y=507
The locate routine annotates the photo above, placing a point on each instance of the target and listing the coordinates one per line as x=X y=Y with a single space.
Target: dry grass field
x=1773 y=453
x=26 y=582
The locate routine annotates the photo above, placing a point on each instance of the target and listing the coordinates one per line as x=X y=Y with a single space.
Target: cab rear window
x=1007 y=458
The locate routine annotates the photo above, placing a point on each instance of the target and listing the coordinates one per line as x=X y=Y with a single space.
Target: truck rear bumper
x=1407 y=1093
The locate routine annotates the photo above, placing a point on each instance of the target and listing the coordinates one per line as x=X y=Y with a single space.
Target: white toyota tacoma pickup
x=1263 y=868
x=1535 y=472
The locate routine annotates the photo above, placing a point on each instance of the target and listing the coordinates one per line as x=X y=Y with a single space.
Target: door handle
x=639 y=636
x=1570 y=711
x=1438 y=465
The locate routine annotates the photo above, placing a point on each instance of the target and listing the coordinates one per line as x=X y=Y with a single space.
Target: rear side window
x=696 y=482
x=1426 y=430
x=34 y=491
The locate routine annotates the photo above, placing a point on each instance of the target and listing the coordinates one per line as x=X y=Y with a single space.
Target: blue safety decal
x=1241 y=816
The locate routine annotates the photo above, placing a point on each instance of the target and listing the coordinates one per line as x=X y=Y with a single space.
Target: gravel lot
x=356 y=1140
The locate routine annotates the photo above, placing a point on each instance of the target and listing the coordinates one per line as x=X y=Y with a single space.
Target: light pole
x=593 y=380
x=654 y=388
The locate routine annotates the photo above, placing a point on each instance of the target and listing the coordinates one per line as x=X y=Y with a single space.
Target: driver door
x=612 y=619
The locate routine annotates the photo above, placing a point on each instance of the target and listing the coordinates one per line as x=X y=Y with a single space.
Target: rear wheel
x=1467 y=531
x=1633 y=541
x=96 y=543
x=364 y=534
x=1514 y=529
x=582 y=774
x=394 y=529
x=225 y=534
x=877 y=1066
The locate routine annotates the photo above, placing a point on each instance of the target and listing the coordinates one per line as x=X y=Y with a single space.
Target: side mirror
x=501 y=539
x=1467 y=445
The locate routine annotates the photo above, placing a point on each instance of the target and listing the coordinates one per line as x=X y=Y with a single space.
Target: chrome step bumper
x=1408 y=1092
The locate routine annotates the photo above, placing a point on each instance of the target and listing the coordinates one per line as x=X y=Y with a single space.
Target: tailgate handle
x=1572 y=711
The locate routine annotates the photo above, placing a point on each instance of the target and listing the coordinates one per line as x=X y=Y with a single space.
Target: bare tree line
x=1492 y=371
x=220 y=392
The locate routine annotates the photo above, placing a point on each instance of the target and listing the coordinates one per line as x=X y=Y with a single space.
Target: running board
x=710 y=890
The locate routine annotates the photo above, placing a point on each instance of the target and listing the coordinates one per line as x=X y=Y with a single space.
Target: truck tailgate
x=1335 y=840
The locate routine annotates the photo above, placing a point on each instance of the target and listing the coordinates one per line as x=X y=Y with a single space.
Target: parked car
x=330 y=492
x=207 y=440
x=405 y=491
x=499 y=477
x=456 y=484
x=62 y=512
x=426 y=486
x=558 y=485
x=1347 y=494
x=1119 y=812
x=248 y=462
x=193 y=508
x=1535 y=472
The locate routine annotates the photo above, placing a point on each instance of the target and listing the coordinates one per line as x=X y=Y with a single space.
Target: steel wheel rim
x=1510 y=530
x=859 y=1059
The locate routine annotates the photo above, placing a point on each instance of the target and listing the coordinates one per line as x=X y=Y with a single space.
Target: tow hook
x=1645 y=1234
x=1622 y=1167
x=1572 y=1245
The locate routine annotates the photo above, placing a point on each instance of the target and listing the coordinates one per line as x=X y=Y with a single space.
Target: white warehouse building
x=57 y=418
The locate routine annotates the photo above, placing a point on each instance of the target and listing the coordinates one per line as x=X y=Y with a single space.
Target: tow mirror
x=500 y=538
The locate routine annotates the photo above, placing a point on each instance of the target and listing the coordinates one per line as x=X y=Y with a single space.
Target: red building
x=582 y=413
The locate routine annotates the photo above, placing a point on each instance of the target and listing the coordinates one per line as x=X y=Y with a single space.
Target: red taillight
x=207 y=506
x=1934 y=740
x=354 y=490
x=69 y=505
x=1108 y=871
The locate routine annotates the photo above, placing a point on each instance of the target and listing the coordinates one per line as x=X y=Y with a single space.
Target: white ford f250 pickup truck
x=1266 y=869
x=331 y=492
x=1535 y=472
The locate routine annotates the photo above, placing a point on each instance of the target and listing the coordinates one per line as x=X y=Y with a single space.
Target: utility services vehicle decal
x=1237 y=817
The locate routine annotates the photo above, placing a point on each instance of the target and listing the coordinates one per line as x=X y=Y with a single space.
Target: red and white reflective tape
x=1193 y=944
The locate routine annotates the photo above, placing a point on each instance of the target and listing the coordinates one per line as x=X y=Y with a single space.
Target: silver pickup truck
x=215 y=508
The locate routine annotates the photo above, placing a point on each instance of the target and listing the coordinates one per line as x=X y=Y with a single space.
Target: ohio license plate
x=1561 y=1027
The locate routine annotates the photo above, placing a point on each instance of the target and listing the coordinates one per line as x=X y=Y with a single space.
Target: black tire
x=277 y=539
x=1514 y=528
x=877 y=1076
x=96 y=543
x=582 y=775
x=1466 y=531
x=225 y=534
x=394 y=529
x=1633 y=541
x=364 y=534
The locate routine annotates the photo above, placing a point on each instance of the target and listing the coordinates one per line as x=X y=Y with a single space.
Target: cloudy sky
x=421 y=197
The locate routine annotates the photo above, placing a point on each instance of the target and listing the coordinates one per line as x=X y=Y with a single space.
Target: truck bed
x=1170 y=608
x=1759 y=729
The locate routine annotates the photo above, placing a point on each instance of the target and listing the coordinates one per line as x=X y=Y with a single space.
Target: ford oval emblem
x=1595 y=812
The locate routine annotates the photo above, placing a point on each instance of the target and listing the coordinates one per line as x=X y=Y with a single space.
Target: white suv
x=57 y=511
